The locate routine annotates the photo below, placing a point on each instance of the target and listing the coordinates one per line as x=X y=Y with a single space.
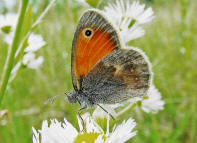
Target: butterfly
x=102 y=71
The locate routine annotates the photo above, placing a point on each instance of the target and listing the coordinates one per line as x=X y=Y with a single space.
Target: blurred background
x=170 y=43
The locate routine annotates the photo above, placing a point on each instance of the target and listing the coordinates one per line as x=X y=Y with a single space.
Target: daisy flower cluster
x=58 y=132
x=34 y=42
x=128 y=19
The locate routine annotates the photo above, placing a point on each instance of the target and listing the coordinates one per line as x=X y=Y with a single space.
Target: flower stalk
x=34 y=25
x=12 y=50
x=129 y=107
x=40 y=18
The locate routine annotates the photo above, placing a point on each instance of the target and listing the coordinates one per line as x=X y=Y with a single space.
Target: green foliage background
x=175 y=74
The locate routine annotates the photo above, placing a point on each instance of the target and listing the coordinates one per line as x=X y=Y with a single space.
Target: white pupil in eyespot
x=88 y=32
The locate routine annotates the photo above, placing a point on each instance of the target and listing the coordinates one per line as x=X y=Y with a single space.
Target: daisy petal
x=127 y=18
x=122 y=132
x=154 y=103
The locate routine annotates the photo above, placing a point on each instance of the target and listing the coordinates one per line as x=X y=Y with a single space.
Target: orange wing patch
x=89 y=50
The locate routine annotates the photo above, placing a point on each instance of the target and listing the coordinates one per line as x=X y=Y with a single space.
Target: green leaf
x=6 y=29
x=93 y=3
x=27 y=24
x=133 y=21
x=139 y=103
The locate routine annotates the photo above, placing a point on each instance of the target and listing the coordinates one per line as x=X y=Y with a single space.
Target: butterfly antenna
x=52 y=99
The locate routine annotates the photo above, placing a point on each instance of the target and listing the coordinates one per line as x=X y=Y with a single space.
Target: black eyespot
x=88 y=32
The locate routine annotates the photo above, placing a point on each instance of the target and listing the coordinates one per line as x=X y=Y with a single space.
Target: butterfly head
x=81 y=98
x=71 y=97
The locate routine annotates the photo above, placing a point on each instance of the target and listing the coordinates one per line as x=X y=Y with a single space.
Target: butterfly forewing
x=94 y=39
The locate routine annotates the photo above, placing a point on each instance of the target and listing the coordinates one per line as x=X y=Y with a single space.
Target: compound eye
x=88 y=32
x=71 y=98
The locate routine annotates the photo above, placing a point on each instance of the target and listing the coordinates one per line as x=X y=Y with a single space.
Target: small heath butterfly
x=102 y=71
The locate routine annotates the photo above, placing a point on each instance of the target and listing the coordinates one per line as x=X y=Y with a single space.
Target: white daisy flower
x=9 y=4
x=7 y=26
x=9 y=37
x=57 y=132
x=31 y=62
x=119 y=134
x=35 y=42
x=8 y=22
x=123 y=132
x=154 y=103
x=128 y=17
x=64 y=132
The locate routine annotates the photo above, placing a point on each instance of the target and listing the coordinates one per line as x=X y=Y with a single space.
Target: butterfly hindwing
x=94 y=39
x=121 y=75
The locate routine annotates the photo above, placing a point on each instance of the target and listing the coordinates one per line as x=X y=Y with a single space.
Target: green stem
x=38 y=21
x=21 y=48
x=14 y=72
x=43 y=14
x=129 y=107
x=12 y=50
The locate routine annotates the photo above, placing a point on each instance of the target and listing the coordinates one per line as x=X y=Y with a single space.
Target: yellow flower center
x=87 y=137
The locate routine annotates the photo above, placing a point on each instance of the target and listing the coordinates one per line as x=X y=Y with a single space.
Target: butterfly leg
x=79 y=114
x=106 y=111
